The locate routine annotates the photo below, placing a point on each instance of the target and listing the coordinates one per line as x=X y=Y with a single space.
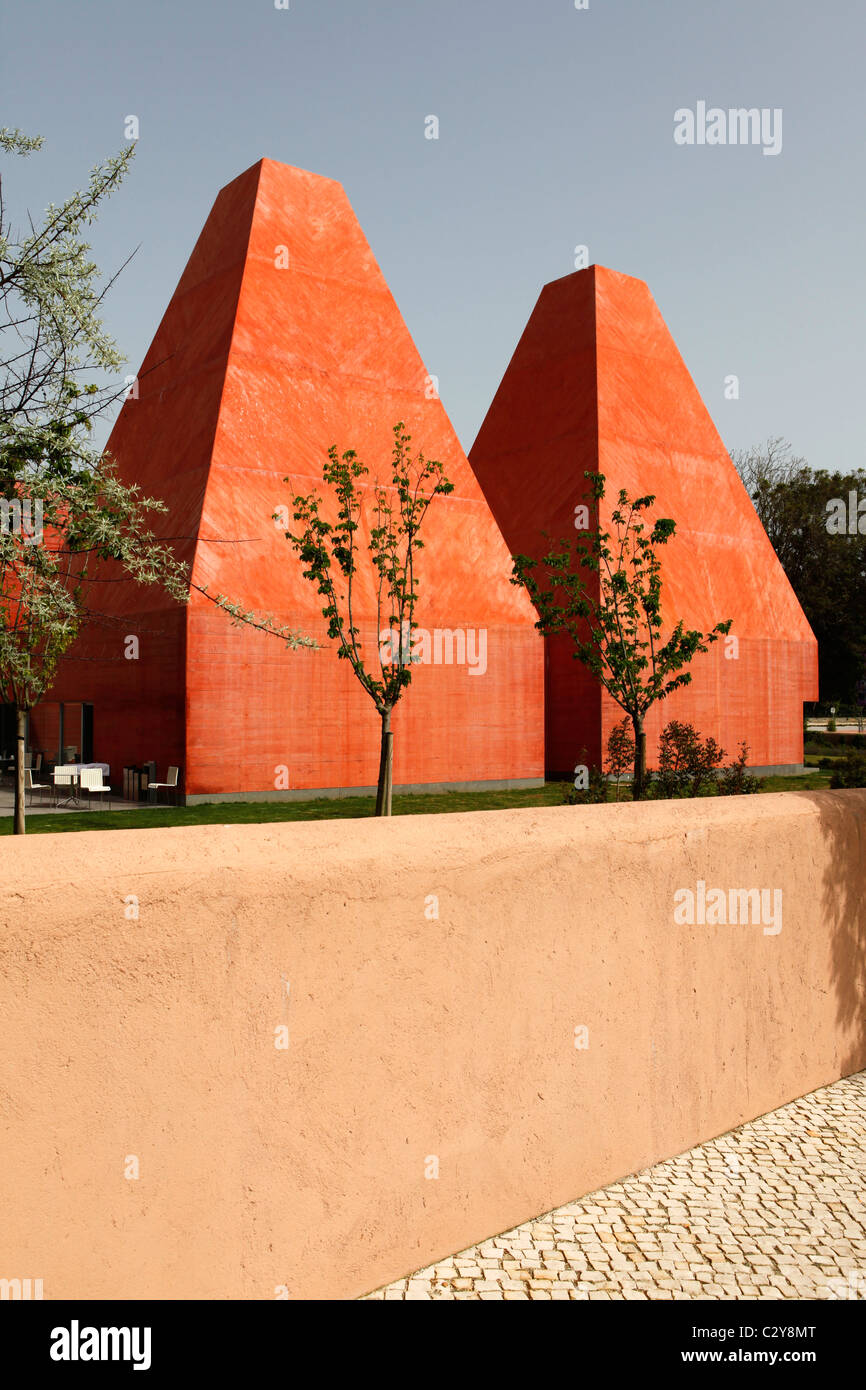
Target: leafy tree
x=765 y=469
x=331 y=553
x=87 y=517
x=52 y=343
x=53 y=347
x=825 y=564
x=615 y=621
x=64 y=511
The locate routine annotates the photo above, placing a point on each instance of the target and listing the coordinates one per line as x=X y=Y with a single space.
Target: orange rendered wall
x=306 y=1168
x=596 y=383
x=281 y=340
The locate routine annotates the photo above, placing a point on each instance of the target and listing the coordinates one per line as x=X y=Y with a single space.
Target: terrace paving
x=772 y=1210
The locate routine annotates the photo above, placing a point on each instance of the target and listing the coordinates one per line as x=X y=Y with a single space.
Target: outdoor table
x=73 y=772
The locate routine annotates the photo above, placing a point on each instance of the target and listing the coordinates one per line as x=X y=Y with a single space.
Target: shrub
x=734 y=780
x=852 y=773
x=825 y=740
x=590 y=795
x=687 y=762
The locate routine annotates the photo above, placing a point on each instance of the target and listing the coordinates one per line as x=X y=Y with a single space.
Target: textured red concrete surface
x=256 y=369
x=597 y=383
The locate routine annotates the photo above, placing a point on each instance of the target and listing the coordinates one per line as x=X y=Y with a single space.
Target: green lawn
x=349 y=808
x=812 y=781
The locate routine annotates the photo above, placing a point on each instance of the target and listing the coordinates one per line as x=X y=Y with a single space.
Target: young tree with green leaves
x=620 y=752
x=331 y=555
x=615 y=621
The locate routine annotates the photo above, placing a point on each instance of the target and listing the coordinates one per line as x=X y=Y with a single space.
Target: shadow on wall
x=844 y=909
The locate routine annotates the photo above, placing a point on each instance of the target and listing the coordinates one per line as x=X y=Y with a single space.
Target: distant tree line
x=818 y=530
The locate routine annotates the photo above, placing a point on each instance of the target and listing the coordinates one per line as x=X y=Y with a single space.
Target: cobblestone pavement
x=775 y=1209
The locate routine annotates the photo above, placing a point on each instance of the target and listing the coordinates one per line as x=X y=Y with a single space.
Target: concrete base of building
x=782 y=770
x=339 y=793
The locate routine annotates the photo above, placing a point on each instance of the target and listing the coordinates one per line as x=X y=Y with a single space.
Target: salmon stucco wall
x=426 y=975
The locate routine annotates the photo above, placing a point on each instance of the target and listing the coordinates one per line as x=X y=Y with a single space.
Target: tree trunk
x=639 y=759
x=20 y=754
x=386 y=767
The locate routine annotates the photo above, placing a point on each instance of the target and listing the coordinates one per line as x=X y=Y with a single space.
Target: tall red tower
x=596 y=384
x=282 y=339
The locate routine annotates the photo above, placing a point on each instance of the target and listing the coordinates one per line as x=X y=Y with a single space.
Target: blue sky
x=556 y=129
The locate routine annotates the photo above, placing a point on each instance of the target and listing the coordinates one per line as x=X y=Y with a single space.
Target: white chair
x=65 y=777
x=31 y=786
x=170 y=785
x=92 y=783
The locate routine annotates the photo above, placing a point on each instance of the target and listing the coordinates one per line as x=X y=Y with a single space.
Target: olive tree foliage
x=64 y=509
x=605 y=593
x=85 y=518
x=53 y=346
x=68 y=522
x=331 y=555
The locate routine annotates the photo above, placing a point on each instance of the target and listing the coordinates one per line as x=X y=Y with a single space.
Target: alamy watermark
x=719 y=907
x=444 y=646
x=20 y=1290
x=77 y=1343
x=22 y=517
x=846 y=518
x=713 y=125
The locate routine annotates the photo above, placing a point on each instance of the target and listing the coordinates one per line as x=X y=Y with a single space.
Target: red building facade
x=282 y=339
x=596 y=384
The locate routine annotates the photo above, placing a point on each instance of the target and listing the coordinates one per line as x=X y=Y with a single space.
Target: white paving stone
x=773 y=1210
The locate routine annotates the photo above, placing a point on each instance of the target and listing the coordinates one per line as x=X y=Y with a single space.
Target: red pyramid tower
x=596 y=384
x=281 y=339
